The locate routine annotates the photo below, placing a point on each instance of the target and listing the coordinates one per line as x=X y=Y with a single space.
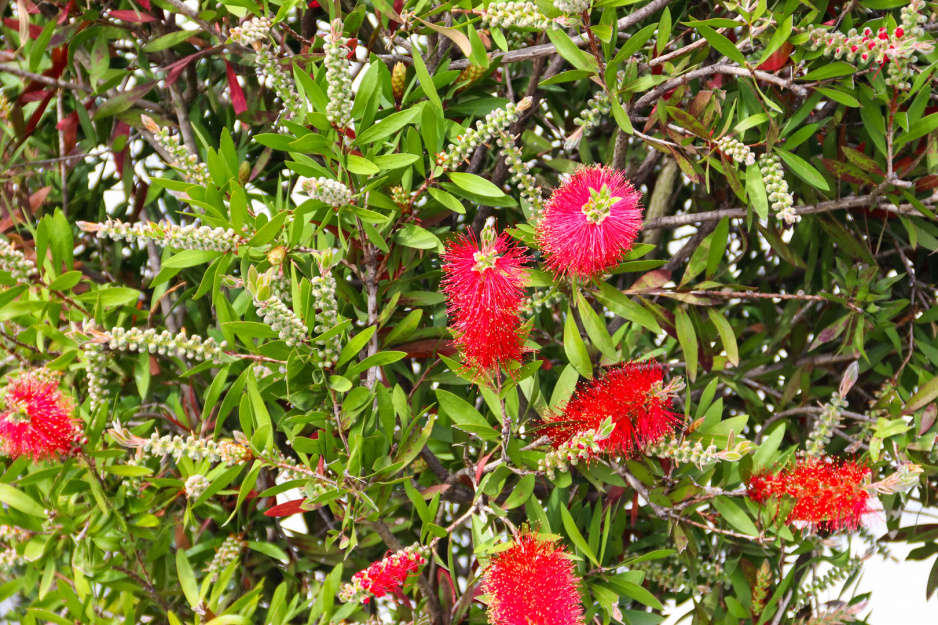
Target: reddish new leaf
x=238 y=100
x=288 y=508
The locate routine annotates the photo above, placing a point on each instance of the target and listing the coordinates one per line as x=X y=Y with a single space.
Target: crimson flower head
x=35 y=418
x=383 y=577
x=484 y=286
x=532 y=582
x=633 y=396
x=590 y=223
x=829 y=494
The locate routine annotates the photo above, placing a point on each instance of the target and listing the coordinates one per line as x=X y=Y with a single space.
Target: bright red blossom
x=829 y=494
x=633 y=396
x=484 y=286
x=36 y=418
x=384 y=577
x=590 y=222
x=532 y=583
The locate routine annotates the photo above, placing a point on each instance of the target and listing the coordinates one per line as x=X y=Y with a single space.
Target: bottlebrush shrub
x=436 y=313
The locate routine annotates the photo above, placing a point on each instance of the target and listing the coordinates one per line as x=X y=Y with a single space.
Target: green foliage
x=243 y=297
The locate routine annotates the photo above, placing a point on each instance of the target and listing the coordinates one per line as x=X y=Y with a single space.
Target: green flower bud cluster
x=12 y=260
x=94 y=371
x=137 y=340
x=572 y=7
x=255 y=33
x=252 y=31
x=810 y=591
x=196 y=485
x=5 y=108
x=281 y=289
x=331 y=192
x=897 y=49
x=685 y=451
x=10 y=534
x=193 y=448
x=167 y=234
x=327 y=317
x=672 y=574
x=338 y=76
x=824 y=425
x=269 y=65
x=276 y=314
x=519 y=172
x=597 y=107
x=541 y=299
x=736 y=150
x=282 y=320
x=776 y=187
x=289 y=468
x=582 y=446
x=9 y=558
x=494 y=123
x=521 y=15
x=228 y=552
x=182 y=160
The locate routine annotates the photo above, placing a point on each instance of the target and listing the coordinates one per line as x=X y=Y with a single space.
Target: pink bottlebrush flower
x=829 y=494
x=532 y=582
x=484 y=287
x=590 y=223
x=36 y=418
x=633 y=396
x=384 y=577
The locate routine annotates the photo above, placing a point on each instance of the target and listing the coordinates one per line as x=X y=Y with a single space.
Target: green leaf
x=168 y=41
x=803 y=170
x=727 y=336
x=412 y=235
x=475 y=184
x=389 y=125
x=355 y=345
x=830 y=70
x=595 y=328
x=782 y=33
x=575 y=536
x=20 y=501
x=721 y=44
x=734 y=515
x=575 y=348
x=926 y=394
x=190 y=258
x=636 y=592
x=688 y=340
x=755 y=189
x=269 y=231
x=190 y=587
x=111 y=296
x=569 y=51
x=465 y=417
x=519 y=493
x=66 y=281
x=362 y=166
x=269 y=549
x=423 y=75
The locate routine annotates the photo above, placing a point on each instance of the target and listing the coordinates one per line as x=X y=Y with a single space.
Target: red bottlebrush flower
x=484 y=286
x=590 y=222
x=36 y=420
x=829 y=494
x=633 y=396
x=384 y=577
x=899 y=32
x=532 y=582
